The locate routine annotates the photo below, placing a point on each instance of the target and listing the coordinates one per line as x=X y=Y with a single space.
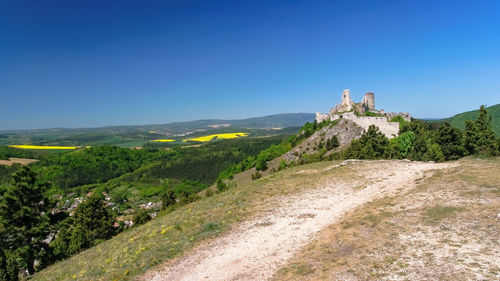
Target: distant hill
x=282 y=120
x=493 y=111
x=136 y=135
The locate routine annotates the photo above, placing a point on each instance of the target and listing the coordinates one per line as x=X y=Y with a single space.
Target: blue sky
x=85 y=63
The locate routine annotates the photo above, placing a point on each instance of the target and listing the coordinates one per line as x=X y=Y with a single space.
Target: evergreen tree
x=8 y=267
x=332 y=143
x=93 y=222
x=167 y=199
x=141 y=217
x=479 y=134
x=372 y=145
x=472 y=136
x=451 y=141
x=221 y=186
x=487 y=141
x=23 y=213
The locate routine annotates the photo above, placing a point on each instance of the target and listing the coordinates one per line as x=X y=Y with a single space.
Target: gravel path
x=257 y=248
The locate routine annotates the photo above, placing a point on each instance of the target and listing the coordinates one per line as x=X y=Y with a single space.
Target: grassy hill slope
x=133 y=252
x=459 y=119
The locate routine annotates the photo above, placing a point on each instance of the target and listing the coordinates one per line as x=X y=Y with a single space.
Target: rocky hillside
x=345 y=131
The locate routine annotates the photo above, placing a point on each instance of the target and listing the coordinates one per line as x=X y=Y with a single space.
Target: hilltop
x=458 y=120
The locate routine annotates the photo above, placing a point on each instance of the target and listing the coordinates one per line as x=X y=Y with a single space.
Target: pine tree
x=372 y=145
x=8 y=267
x=167 y=199
x=451 y=141
x=93 y=222
x=23 y=213
x=479 y=134
x=487 y=141
x=472 y=136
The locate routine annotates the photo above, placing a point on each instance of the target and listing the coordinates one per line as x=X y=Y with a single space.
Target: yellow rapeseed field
x=28 y=146
x=164 y=140
x=219 y=136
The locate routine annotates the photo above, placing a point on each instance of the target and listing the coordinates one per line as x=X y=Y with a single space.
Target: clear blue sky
x=85 y=63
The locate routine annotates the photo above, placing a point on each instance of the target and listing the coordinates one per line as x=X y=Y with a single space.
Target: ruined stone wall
x=320 y=117
x=406 y=116
x=389 y=129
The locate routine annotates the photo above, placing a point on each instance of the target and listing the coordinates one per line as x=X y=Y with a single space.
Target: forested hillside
x=493 y=111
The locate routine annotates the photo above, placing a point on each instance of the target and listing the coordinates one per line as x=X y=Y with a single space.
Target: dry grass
x=444 y=229
x=133 y=252
x=13 y=160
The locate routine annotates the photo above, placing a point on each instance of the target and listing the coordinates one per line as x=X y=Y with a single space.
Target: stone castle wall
x=389 y=129
x=345 y=110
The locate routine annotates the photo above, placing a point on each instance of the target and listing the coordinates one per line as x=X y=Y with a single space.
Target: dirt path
x=257 y=248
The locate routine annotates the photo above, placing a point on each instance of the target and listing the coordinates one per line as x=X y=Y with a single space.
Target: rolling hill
x=459 y=119
x=137 y=135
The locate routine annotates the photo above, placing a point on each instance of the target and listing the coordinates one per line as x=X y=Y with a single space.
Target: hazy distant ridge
x=271 y=121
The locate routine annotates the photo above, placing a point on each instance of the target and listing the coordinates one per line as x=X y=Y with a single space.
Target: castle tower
x=347 y=103
x=369 y=101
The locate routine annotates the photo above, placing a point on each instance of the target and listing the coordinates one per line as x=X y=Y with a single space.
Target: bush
x=332 y=143
x=283 y=164
x=141 y=217
x=209 y=192
x=221 y=185
x=189 y=199
x=167 y=199
x=261 y=164
x=435 y=153
x=256 y=175
x=372 y=145
x=404 y=143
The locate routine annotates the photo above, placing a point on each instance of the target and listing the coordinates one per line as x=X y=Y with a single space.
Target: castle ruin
x=364 y=114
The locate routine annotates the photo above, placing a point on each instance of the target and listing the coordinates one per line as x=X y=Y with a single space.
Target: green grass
x=440 y=212
x=133 y=252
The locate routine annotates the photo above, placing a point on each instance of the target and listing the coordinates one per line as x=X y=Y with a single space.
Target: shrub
x=189 y=199
x=209 y=192
x=372 y=145
x=167 y=199
x=141 y=217
x=256 y=175
x=404 y=143
x=332 y=143
x=221 y=186
x=435 y=153
x=283 y=164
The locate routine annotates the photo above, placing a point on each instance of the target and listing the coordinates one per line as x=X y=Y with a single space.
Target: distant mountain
x=282 y=120
x=493 y=111
x=137 y=135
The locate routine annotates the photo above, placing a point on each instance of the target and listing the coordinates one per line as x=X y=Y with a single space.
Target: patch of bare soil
x=12 y=160
x=446 y=228
x=257 y=248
